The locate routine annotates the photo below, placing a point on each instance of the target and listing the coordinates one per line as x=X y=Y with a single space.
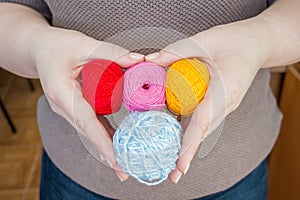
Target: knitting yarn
x=147 y=145
x=144 y=87
x=102 y=86
x=186 y=84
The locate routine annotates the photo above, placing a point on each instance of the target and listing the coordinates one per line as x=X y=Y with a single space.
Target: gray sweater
x=231 y=152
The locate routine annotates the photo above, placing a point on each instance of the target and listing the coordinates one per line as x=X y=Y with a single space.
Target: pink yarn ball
x=144 y=87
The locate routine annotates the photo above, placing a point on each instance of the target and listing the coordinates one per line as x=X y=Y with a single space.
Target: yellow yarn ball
x=186 y=84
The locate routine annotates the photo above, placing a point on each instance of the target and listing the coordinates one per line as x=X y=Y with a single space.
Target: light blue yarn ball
x=147 y=145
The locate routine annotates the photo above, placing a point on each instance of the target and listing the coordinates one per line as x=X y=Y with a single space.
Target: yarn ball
x=147 y=145
x=144 y=87
x=186 y=84
x=102 y=86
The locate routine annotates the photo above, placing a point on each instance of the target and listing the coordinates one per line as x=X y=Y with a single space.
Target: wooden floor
x=20 y=153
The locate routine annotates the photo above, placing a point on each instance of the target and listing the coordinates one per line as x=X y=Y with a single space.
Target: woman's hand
x=30 y=47
x=233 y=53
x=59 y=55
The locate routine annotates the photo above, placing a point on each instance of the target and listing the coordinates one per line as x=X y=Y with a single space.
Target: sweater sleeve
x=270 y=2
x=38 y=5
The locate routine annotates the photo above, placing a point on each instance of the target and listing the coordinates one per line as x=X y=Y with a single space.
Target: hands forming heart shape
x=231 y=53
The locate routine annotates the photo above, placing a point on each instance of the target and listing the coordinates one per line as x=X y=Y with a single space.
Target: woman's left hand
x=234 y=54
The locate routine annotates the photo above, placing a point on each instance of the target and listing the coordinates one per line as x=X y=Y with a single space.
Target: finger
x=163 y=58
x=175 y=175
x=108 y=51
x=207 y=117
x=121 y=175
x=195 y=133
x=63 y=103
x=60 y=102
x=82 y=116
x=186 y=48
x=55 y=108
x=129 y=59
x=87 y=124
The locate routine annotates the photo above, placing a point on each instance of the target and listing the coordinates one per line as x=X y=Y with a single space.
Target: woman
x=254 y=37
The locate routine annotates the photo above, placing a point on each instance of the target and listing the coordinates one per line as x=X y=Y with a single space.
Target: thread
x=102 y=86
x=147 y=145
x=186 y=84
x=144 y=87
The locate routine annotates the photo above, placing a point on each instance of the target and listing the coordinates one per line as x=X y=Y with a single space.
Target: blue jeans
x=56 y=185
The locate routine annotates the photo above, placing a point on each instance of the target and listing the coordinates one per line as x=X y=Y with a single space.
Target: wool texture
x=147 y=145
x=102 y=86
x=144 y=87
x=186 y=84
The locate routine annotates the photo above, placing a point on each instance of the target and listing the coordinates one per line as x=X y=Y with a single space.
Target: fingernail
x=177 y=176
x=109 y=163
x=136 y=56
x=105 y=161
x=120 y=177
x=186 y=168
x=152 y=56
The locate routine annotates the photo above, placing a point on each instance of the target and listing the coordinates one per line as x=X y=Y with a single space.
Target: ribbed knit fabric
x=145 y=26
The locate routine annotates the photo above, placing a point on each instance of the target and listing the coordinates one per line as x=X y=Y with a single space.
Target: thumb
x=208 y=115
x=185 y=48
x=112 y=52
x=163 y=58
x=194 y=134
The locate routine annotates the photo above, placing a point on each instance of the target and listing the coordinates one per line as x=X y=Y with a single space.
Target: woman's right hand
x=58 y=55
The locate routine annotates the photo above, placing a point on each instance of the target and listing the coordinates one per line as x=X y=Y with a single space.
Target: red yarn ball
x=102 y=86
